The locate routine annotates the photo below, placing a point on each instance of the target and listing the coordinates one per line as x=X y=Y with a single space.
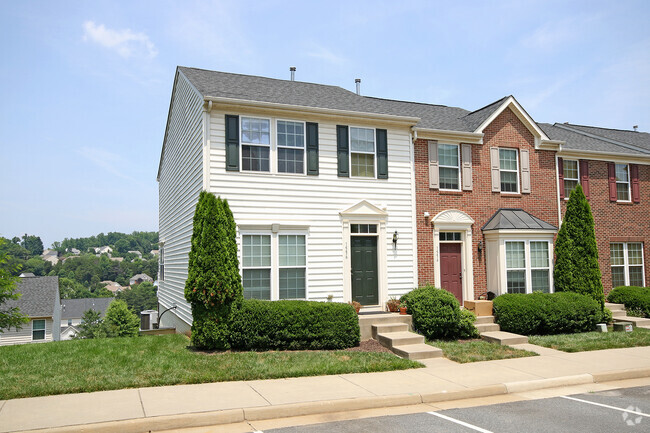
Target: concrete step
x=389 y=327
x=615 y=307
x=417 y=351
x=367 y=320
x=504 y=338
x=484 y=319
x=618 y=313
x=392 y=339
x=487 y=327
x=636 y=321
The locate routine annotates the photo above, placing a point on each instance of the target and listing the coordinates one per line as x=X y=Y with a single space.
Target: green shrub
x=636 y=299
x=436 y=314
x=119 y=321
x=547 y=313
x=293 y=325
x=467 y=329
x=607 y=316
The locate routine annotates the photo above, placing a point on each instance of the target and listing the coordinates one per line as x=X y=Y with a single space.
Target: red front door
x=450 y=270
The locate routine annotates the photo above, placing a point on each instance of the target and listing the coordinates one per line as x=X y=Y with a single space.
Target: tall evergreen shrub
x=213 y=283
x=576 y=253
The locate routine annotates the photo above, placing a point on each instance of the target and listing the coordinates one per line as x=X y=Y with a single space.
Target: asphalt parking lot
x=616 y=410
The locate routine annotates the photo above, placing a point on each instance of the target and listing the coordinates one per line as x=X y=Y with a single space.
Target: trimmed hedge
x=636 y=299
x=547 y=313
x=436 y=314
x=293 y=325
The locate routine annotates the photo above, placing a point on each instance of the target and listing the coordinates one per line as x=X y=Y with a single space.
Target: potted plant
x=356 y=305
x=402 y=308
x=393 y=305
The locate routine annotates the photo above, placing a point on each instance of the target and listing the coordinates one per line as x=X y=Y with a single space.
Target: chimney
x=293 y=73
x=636 y=128
x=358 y=82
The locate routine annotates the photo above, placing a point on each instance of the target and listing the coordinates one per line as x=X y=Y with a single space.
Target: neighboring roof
x=476 y=118
x=516 y=219
x=141 y=277
x=633 y=138
x=39 y=296
x=27 y=275
x=75 y=308
x=576 y=139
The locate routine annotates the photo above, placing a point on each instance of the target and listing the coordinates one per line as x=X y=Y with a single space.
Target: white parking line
x=606 y=405
x=473 y=427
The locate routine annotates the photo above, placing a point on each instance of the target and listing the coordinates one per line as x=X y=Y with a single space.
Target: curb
x=230 y=416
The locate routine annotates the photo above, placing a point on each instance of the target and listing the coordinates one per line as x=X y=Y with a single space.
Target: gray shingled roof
x=577 y=141
x=516 y=219
x=633 y=138
x=39 y=296
x=475 y=118
x=75 y=308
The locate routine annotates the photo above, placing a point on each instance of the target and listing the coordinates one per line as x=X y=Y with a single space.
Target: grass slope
x=593 y=340
x=94 y=365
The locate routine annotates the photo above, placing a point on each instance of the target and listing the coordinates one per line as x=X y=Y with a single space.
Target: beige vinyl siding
x=24 y=335
x=179 y=185
x=314 y=202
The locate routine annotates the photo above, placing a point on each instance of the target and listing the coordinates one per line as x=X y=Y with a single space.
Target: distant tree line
x=121 y=243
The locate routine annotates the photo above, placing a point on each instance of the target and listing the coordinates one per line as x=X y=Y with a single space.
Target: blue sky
x=85 y=85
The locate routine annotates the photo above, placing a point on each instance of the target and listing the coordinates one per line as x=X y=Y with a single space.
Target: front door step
x=404 y=343
x=620 y=315
x=504 y=338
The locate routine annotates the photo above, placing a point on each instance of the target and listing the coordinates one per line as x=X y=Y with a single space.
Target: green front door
x=364 y=270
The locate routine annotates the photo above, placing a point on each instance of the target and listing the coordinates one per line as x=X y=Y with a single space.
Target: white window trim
x=564 y=178
x=44 y=330
x=242 y=144
x=629 y=185
x=458 y=168
x=275 y=258
x=277 y=146
x=510 y=171
x=526 y=269
x=527 y=262
x=373 y=153
x=626 y=262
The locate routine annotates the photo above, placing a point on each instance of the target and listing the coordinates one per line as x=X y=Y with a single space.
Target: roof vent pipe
x=358 y=82
x=293 y=73
x=636 y=128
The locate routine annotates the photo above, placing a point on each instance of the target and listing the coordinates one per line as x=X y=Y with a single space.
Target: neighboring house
x=140 y=278
x=154 y=253
x=113 y=286
x=137 y=253
x=117 y=259
x=104 y=250
x=362 y=198
x=26 y=275
x=51 y=256
x=72 y=310
x=40 y=302
x=74 y=251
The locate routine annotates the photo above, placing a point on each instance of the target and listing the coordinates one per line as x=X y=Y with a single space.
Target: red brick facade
x=618 y=222
x=481 y=203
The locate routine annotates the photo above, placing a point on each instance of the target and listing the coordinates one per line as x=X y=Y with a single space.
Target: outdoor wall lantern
x=480 y=246
x=395 y=238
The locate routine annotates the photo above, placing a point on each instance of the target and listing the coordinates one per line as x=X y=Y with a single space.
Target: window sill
x=509 y=194
x=624 y=203
x=450 y=192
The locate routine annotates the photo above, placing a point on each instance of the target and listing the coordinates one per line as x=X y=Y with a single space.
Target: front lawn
x=593 y=340
x=477 y=350
x=95 y=365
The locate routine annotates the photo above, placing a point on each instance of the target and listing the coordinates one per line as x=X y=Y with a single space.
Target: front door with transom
x=365 y=289
x=451 y=270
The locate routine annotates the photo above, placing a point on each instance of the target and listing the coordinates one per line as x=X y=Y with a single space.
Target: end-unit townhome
x=338 y=196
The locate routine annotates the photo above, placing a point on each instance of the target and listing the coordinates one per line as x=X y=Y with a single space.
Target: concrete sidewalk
x=184 y=406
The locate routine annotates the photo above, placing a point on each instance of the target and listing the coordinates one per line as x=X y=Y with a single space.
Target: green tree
x=119 y=321
x=9 y=316
x=576 y=253
x=33 y=244
x=140 y=297
x=92 y=326
x=213 y=285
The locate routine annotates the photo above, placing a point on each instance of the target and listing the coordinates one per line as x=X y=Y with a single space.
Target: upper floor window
x=38 y=329
x=256 y=144
x=571 y=176
x=622 y=182
x=449 y=166
x=291 y=147
x=509 y=170
x=627 y=263
x=362 y=152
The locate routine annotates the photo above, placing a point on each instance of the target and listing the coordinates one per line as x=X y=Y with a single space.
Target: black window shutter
x=232 y=143
x=382 y=154
x=342 y=147
x=312 y=149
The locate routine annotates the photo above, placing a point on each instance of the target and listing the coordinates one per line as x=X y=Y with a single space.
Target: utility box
x=623 y=327
x=148 y=320
x=479 y=308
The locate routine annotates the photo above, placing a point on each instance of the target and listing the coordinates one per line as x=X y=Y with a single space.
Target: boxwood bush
x=293 y=325
x=547 y=313
x=636 y=299
x=436 y=314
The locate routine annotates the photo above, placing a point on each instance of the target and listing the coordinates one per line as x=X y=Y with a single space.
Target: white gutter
x=465 y=137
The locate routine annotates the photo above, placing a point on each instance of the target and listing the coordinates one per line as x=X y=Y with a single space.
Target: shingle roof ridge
x=413 y=102
x=489 y=105
x=600 y=127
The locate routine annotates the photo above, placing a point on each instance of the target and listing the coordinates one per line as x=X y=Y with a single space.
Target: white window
x=255 y=144
x=627 y=264
x=449 y=166
x=274 y=266
x=362 y=152
x=571 y=176
x=622 y=182
x=291 y=146
x=509 y=170
x=38 y=329
x=528 y=267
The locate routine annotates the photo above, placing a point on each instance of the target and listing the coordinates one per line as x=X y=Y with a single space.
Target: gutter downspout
x=413 y=136
x=557 y=192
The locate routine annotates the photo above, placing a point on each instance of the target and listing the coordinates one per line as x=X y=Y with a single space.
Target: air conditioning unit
x=148 y=320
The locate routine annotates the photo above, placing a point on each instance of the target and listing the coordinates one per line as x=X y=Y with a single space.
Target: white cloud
x=125 y=42
x=325 y=54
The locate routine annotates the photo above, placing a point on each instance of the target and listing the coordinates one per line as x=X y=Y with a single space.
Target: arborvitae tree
x=120 y=321
x=213 y=283
x=576 y=253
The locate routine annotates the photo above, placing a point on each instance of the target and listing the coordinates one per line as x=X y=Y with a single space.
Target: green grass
x=477 y=350
x=593 y=340
x=94 y=365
